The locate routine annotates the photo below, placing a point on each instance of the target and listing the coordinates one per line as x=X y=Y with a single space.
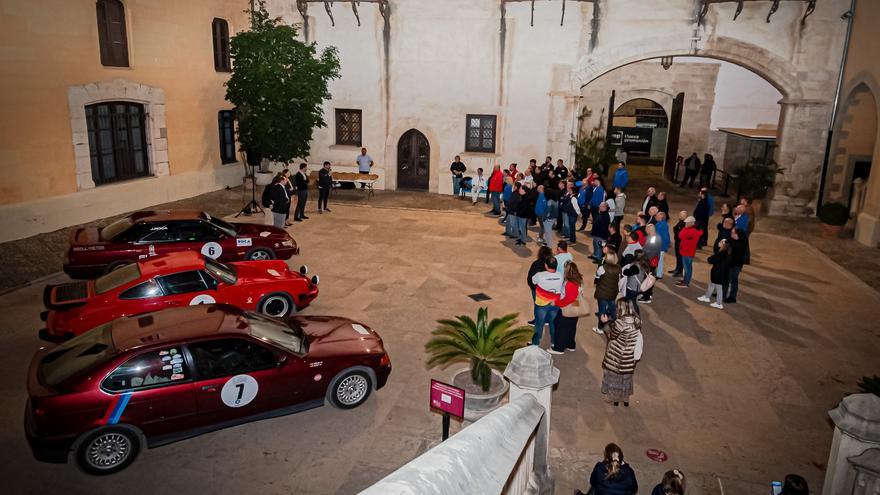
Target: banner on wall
x=634 y=140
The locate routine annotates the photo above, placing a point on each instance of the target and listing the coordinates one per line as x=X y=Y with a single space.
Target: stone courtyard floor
x=739 y=395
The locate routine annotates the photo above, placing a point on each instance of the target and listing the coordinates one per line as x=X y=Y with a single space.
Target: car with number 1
x=93 y=251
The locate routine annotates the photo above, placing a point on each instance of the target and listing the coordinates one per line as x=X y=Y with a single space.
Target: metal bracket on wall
x=811 y=6
x=704 y=8
x=773 y=8
x=302 y=6
x=739 y=9
x=532 y=2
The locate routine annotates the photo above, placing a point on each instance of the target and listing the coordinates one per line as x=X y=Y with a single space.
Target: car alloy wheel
x=260 y=255
x=276 y=305
x=108 y=450
x=352 y=389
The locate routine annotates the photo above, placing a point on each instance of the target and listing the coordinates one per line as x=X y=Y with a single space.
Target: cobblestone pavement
x=739 y=395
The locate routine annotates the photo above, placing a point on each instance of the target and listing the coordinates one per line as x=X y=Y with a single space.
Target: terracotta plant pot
x=831 y=231
x=476 y=402
x=264 y=178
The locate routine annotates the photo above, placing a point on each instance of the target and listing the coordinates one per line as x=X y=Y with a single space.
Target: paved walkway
x=740 y=394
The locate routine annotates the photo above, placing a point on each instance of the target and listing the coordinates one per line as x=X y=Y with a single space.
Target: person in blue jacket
x=621 y=177
x=662 y=227
x=584 y=197
x=540 y=211
x=612 y=476
x=505 y=196
x=597 y=197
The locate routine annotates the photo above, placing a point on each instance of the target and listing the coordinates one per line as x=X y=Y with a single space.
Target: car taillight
x=385 y=361
x=39 y=411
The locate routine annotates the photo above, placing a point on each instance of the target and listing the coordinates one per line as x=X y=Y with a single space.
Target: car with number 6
x=136 y=383
x=177 y=279
x=147 y=234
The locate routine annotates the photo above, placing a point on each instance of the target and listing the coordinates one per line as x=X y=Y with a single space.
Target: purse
x=579 y=308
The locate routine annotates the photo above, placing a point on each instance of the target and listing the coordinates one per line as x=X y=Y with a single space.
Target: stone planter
x=476 y=402
x=264 y=178
x=831 y=231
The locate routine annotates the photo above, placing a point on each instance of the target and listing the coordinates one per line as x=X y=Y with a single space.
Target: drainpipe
x=848 y=16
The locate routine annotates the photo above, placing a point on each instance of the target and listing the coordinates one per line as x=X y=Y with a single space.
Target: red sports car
x=149 y=380
x=178 y=279
x=145 y=234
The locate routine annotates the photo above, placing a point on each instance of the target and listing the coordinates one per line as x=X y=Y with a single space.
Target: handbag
x=648 y=282
x=579 y=308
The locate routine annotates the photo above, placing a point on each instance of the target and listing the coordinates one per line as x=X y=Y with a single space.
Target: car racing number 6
x=212 y=250
x=239 y=391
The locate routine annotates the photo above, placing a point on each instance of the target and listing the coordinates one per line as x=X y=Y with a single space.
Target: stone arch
x=118 y=89
x=399 y=128
x=859 y=108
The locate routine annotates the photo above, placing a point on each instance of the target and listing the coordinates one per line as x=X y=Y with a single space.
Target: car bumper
x=54 y=337
x=54 y=450
x=84 y=271
x=306 y=298
x=382 y=375
x=285 y=253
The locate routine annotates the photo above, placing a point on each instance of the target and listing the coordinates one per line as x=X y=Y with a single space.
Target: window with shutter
x=348 y=127
x=112 y=36
x=117 y=141
x=226 y=121
x=220 y=30
x=480 y=133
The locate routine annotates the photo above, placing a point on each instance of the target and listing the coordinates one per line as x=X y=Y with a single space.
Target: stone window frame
x=153 y=100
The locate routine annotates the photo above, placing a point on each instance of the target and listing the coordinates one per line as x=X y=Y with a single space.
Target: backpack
x=266 y=199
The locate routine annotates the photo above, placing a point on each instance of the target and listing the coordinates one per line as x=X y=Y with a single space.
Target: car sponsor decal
x=212 y=250
x=202 y=299
x=239 y=391
x=360 y=329
x=272 y=272
x=114 y=412
x=88 y=248
x=244 y=241
x=317 y=377
x=265 y=234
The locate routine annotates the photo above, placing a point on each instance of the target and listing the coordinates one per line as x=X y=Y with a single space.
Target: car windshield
x=77 y=354
x=118 y=278
x=110 y=232
x=226 y=227
x=221 y=271
x=275 y=332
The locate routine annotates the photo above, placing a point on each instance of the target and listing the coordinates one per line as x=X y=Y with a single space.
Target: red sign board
x=447 y=398
x=657 y=455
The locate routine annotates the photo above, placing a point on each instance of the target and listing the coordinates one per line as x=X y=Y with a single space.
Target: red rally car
x=145 y=234
x=178 y=279
x=145 y=381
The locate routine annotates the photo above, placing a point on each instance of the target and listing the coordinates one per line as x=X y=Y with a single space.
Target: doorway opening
x=413 y=161
x=640 y=127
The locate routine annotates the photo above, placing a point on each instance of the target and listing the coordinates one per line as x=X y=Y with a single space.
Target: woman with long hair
x=673 y=484
x=544 y=252
x=607 y=277
x=623 y=351
x=566 y=326
x=612 y=476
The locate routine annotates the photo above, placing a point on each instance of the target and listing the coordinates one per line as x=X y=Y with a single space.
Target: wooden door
x=413 y=157
x=673 y=136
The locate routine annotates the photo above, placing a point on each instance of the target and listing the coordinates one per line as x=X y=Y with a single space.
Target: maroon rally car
x=145 y=234
x=145 y=381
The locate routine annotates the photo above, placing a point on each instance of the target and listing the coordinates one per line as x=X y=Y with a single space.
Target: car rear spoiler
x=66 y=296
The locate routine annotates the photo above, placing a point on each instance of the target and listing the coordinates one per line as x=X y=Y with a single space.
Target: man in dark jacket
x=524 y=211
x=280 y=200
x=458 y=169
x=739 y=256
x=701 y=214
x=691 y=170
x=600 y=231
x=325 y=184
x=706 y=170
x=675 y=231
x=301 y=181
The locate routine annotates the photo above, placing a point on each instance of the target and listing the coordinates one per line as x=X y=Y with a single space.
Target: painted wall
x=51 y=45
x=744 y=99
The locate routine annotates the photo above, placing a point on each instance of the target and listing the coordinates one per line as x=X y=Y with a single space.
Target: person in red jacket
x=496 y=185
x=689 y=237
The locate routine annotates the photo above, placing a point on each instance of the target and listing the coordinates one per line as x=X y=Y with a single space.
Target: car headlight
x=287 y=243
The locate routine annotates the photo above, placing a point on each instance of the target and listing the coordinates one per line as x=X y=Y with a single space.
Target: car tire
x=107 y=451
x=276 y=305
x=259 y=254
x=116 y=265
x=349 y=389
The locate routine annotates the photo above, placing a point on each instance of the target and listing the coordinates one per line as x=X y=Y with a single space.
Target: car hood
x=332 y=335
x=259 y=230
x=263 y=271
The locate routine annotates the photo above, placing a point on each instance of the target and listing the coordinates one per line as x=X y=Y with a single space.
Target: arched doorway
x=855 y=135
x=413 y=161
x=640 y=127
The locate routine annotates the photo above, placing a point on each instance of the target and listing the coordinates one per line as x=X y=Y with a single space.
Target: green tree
x=592 y=150
x=278 y=85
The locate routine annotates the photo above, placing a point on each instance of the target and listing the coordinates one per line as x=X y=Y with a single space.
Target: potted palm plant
x=833 y=216
x=487 y=345
x=755 y=179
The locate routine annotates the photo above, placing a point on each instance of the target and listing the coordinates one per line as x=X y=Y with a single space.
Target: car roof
x=167 y=215
x=172 y=262
x=176 y=324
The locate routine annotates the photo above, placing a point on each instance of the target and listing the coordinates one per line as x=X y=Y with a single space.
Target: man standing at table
x=365 y=163
x=301 y=179
x=458 y=169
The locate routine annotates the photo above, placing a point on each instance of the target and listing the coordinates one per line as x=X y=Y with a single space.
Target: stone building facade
x=427 y=65
x=110 y=106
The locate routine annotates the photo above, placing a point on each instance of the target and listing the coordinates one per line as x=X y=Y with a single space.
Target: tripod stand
x=252 y=207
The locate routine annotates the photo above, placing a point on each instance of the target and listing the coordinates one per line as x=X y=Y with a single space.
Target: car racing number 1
x=212 y=250
x=239 y=391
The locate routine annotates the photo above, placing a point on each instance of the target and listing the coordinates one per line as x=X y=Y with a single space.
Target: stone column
x=857 y=429
x=531 y=372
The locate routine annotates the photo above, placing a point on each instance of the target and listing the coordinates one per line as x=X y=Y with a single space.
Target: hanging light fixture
x=666 y=62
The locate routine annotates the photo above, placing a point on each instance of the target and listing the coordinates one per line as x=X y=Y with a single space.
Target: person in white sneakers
x=477 y=185
x=548 y=288
x=719 y=275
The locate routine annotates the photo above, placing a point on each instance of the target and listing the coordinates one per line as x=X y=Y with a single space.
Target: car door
x=144 y=297
x=199 y=236
x=237 y=377
x=188 y=288
x=158 y=238
x=154 y=391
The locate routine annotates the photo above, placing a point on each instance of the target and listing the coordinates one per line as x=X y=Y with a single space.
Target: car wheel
x=260 y=254
x=116 y=266
x=108 y=451
x=350 y=389
x=277 y=305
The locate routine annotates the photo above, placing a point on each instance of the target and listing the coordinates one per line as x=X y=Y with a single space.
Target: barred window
x=348 y=127
x=220 y=30
x=226 y=123
x=480 y=136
